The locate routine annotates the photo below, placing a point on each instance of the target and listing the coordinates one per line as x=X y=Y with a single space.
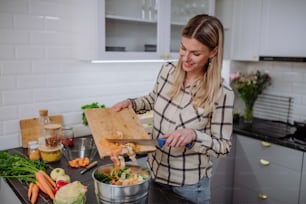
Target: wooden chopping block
x=105 y=123
x=29 y=128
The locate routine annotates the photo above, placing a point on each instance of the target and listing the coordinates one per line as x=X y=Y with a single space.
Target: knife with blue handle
x=160 y=141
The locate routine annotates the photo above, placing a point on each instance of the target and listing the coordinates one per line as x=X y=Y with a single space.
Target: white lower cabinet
x=222 y=178
x=266 y=173
x=303 y=183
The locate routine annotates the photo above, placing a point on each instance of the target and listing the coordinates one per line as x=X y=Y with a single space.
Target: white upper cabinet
x=283 y=28
x=246 y=30
x=143 y=29
x=268 y=28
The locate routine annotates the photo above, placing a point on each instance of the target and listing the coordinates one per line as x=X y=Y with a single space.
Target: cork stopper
x=43 y=112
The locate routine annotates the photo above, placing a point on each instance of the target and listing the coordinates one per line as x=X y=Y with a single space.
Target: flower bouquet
x=249 y=86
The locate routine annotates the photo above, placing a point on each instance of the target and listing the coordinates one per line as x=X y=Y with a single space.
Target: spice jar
x=52 y=135
x=51 y=151
x=33 y=150
x=67 y=136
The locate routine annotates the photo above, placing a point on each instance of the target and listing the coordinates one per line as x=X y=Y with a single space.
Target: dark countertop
x=156 y=195
x=271 y=131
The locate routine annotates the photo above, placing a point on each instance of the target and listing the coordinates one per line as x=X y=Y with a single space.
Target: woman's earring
x=209 y=63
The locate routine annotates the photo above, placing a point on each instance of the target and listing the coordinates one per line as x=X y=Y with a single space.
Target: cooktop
x=274 y=131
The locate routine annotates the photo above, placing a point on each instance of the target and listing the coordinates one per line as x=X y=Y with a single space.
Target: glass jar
x=52 y=135
x=33 y=150
x=51 y=151
x=67 y=136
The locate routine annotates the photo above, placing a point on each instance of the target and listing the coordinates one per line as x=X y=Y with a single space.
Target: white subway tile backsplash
x=30 y=52
x=45 y=8
x=7 y=52
x=7 y=82
x=17 y=97
x=28 y=22
x=56 y=53
x=14 y=6
x=10 y=141
x=31 y=82
x=46 y=67
x=58 y=24
x=51 y=38
x=8 y=113
x=17 y=68
x=11 y=127
x=6 y=21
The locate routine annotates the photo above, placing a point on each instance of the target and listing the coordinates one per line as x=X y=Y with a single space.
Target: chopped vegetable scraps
x=122 y=176
x=116 y=150
x=79 y=162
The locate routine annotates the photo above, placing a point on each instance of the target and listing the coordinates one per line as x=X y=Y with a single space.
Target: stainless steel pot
x=107 y=193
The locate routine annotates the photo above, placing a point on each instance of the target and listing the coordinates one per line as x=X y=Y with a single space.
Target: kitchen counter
x=156 y=195
x=271 y=131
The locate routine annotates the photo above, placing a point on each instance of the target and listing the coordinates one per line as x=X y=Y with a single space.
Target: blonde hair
x=209 y=31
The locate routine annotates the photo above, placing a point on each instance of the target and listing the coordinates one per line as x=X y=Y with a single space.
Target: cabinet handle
x=262 y=196
x=264 y=162
x=266 y=144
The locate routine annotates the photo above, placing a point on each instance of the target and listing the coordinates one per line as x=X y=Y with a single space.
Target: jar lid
x=52 y=126
x=34 y=146
x=43 y=112
x=50 y=149
x=32 y=142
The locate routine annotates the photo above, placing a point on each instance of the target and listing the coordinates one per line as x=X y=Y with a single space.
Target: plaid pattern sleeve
x=184 y=166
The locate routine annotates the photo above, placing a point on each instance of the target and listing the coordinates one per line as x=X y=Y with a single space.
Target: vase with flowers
x=249 y=86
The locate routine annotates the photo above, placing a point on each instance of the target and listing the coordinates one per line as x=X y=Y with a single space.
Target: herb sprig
x=92 y=105
x=14 y=165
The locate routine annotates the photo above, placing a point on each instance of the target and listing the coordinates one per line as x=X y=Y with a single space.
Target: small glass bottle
x=42 y=121
x=33 y=150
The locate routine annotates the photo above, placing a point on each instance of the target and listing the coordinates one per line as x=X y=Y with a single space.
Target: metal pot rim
x=120 y=186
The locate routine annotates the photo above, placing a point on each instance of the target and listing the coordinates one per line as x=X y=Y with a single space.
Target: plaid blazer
x=185 y=166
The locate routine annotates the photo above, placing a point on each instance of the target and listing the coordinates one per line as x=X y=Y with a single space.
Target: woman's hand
x=121 y=105
x=180 y=137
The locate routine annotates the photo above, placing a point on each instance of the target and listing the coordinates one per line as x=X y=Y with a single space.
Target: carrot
x=79 y=162
x=48 y=178
x=30 y=190
x=35 y=191
x=41 y=187
x=45 y=184
x=74 y=163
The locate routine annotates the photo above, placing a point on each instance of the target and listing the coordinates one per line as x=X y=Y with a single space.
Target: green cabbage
x=72 y=193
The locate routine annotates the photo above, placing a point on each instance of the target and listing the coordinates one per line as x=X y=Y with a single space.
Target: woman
x=191 y=105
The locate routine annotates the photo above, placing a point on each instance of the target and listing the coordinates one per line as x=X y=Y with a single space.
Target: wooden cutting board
x=105 y=123
x=29 y=128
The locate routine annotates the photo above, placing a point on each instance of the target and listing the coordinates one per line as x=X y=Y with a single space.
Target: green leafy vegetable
x=92 y=105
x=14 y=165
x=103 y=177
